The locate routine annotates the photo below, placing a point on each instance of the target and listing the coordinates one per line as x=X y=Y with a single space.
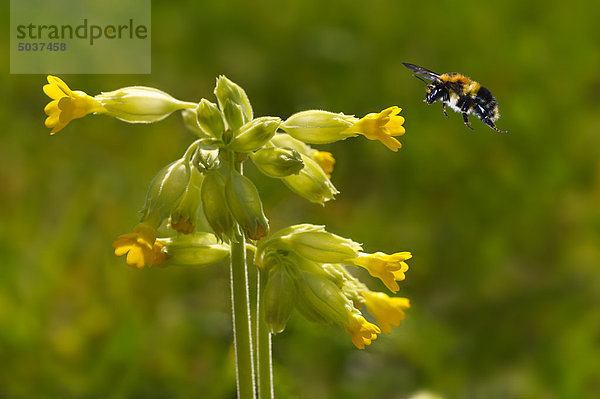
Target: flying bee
x=461 y=94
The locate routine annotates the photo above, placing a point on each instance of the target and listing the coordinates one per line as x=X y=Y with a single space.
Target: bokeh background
x=504 y=228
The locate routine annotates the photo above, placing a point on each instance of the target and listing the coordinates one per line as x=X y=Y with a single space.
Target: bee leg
x=493 y=126
x=466 y=120
x=444 y=109
x=498 y=130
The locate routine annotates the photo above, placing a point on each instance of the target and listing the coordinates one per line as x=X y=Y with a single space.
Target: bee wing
x=426 y=73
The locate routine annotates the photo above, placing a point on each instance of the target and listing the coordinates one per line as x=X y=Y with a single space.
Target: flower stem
x=242 y=338
x=263 y=344
x=241 y=320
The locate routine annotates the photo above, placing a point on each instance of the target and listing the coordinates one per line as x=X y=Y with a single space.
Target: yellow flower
x=325 y=160
x=382 y=126
x=387 y=268
x=141 y=246
x=361 y=331
x=66 y=104
x=388 y=311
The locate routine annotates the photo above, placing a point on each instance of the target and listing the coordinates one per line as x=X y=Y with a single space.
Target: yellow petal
x=390 y=142
x=140 y=246
x=52 y=120
x=56 y=88
x=395 y=126
x=122 y=250
x=325 y=160
x=52 y=91
x=390 y=282
x=135 y=257
x=388 y=311
x=51 y=107
x=361 y=331
x=57 y=128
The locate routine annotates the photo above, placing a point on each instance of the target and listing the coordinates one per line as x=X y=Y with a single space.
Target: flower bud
x=284 y=140
x=279 y=298
x=277 y=162
x=230 y=93
x=190 y=120
x=138 y=104
x=319 y=127
x=206 y=160
x=244 y=204
x=194 y=249
x=317 y=244
x=254 y=134
x=213 y=204
x=319 y=299
x=185 y=214
x=210 y=119
x=234 y=118
x=311 y=183
x=166 y=189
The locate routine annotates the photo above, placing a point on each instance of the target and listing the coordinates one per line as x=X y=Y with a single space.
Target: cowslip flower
x=361 y=331
x=67 y=104
x=388 y=268
x=135 y=104
x=382 y=126
x=388 y=311
x=141 y=246
x=311 y=182
x=325 y=160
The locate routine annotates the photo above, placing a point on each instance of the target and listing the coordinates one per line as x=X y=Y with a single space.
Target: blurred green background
x=504 y=228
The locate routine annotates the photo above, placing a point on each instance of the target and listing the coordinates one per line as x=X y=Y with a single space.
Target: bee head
x=434 y=93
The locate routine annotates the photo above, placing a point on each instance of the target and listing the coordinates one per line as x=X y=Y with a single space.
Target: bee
x=461 y=94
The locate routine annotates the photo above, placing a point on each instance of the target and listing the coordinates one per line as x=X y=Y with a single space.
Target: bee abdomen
x=486 y=106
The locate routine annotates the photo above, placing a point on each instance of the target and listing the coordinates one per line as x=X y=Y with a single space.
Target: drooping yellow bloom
x=66 y=104
x=311 y=183
x=387 y=268
x=325 y=160
x=361 y=331
x=388 y=311
x=141 y=246
x=382 y=126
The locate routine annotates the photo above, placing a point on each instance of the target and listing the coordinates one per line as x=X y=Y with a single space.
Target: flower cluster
x=306 y=268
x=207 y=204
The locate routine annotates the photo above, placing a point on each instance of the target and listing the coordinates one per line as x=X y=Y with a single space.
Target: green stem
x=242 y=338
x=263 y=344
x=241 y=320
